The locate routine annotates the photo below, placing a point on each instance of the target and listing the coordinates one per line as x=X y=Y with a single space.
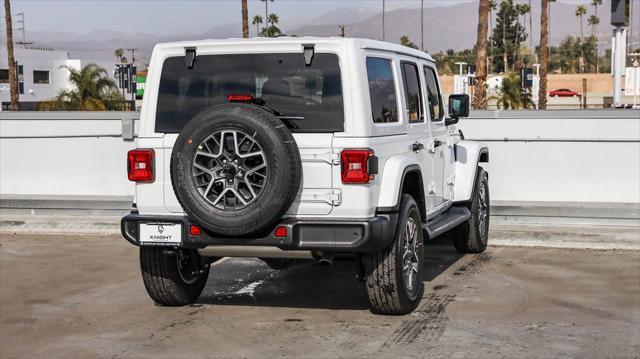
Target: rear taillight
x=358 y=165
x=140 y=165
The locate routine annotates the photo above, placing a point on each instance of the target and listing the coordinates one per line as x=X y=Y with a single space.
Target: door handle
x=417 y=146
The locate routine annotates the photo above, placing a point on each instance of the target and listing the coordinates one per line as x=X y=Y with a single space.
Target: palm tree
x=118 y=53
x=480 y=93
x=93 y=90
x=544 y=54
x=272 y=30
x=595 y=4
x=593 y=20
x=581 y=10
x=245 y=19
x=257 y=20
x=492 y=7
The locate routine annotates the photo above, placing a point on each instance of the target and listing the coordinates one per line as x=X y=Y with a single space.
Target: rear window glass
x=307 y=98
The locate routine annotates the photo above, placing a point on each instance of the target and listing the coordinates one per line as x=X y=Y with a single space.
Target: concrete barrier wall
x=553 y=156
x=561 y=155
x=64 y=153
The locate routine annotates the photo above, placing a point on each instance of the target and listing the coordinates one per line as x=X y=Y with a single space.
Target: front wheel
x=472 y=236
x=394 y=275
x=173 y=277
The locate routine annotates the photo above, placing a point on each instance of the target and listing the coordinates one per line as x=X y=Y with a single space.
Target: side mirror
x=458 y=107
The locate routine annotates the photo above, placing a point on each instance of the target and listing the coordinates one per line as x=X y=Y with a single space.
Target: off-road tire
x=383 y=271
x=164 y=283
x=467 y=237
x=282 y=159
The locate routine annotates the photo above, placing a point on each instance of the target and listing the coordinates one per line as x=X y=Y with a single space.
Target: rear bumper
x=314 y=234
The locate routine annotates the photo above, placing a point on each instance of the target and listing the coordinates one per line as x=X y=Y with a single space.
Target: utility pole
x=341 y=30
x=13 y=80
x=422 y=25
x=382 y=20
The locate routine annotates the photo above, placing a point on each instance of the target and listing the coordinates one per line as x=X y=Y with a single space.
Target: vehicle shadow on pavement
x=250 y=282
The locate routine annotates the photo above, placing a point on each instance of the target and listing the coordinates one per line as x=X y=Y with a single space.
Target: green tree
x=92 y=90
x=510 y=95
x=118 y=53
x=492 y=7
x=257 y=20
x=522 y=10
x=404 y=40
x=266 y=13
x=593 y=21
x=272 y=30
x=507 y=34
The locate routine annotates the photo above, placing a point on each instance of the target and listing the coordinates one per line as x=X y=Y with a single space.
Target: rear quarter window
x=306 y=98
x=382 y=90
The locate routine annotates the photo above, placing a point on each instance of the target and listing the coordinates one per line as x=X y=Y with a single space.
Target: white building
x=41 y=74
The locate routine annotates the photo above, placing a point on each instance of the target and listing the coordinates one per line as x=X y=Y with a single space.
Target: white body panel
x=467 y=157
x=322 y=193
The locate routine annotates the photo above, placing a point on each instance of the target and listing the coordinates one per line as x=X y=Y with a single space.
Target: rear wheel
x=394 y=275
x=472 y=236
x=173 y=277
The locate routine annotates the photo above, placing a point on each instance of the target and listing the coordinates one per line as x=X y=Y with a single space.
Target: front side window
x=382 y=90
x=40 y=77
x=306 y=98
x=436 y=109
x=4 y=76
x=412 y=91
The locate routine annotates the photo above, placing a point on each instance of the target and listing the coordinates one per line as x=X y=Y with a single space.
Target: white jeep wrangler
x=292 y=148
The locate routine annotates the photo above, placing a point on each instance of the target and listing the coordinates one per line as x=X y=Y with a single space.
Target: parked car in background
x=563 y=93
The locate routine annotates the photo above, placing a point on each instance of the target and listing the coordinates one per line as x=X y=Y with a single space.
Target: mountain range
x=445 y=27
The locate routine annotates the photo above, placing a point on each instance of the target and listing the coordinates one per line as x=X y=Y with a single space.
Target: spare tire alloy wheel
x=235 y=169
x=230 y=169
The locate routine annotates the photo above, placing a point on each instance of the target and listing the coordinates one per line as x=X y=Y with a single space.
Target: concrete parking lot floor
x=82 y=297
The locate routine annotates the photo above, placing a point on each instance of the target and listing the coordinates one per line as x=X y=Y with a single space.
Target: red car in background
x=563 y=93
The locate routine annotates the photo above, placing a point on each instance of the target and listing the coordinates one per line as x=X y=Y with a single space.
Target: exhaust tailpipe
x=326 y=260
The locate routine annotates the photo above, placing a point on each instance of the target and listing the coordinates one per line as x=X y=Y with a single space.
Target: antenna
x=22 y=28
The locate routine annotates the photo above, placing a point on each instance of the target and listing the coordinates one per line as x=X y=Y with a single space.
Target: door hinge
x=432 y=188
x=329 y=196
x=452 y=180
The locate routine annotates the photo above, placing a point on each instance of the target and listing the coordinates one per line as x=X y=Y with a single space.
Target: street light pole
x=382 y=20
x=422 y=25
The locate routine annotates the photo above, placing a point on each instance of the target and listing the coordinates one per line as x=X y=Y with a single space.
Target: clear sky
x=166 y=17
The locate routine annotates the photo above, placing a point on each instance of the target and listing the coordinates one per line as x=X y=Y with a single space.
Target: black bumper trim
x=316 y=234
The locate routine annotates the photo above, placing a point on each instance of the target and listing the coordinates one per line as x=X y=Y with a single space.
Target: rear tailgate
x=316 y=196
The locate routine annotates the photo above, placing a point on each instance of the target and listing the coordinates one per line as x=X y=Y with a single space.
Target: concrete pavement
x=82 y=297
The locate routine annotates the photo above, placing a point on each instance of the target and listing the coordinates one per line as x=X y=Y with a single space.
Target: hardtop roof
x=355 y=42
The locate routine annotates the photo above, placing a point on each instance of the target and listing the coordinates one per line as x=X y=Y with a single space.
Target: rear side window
x=306 y=98
x=382 y=90
x=436 y=108
x=412 y=91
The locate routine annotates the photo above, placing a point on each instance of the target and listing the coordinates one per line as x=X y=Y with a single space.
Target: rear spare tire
x=235 y=169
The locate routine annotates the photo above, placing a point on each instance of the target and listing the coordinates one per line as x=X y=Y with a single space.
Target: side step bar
x=447 y=221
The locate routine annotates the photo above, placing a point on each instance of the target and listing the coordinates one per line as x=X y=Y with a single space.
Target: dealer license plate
x=160 y=233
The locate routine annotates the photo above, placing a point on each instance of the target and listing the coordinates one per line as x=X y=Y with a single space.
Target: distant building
x=40 y=75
